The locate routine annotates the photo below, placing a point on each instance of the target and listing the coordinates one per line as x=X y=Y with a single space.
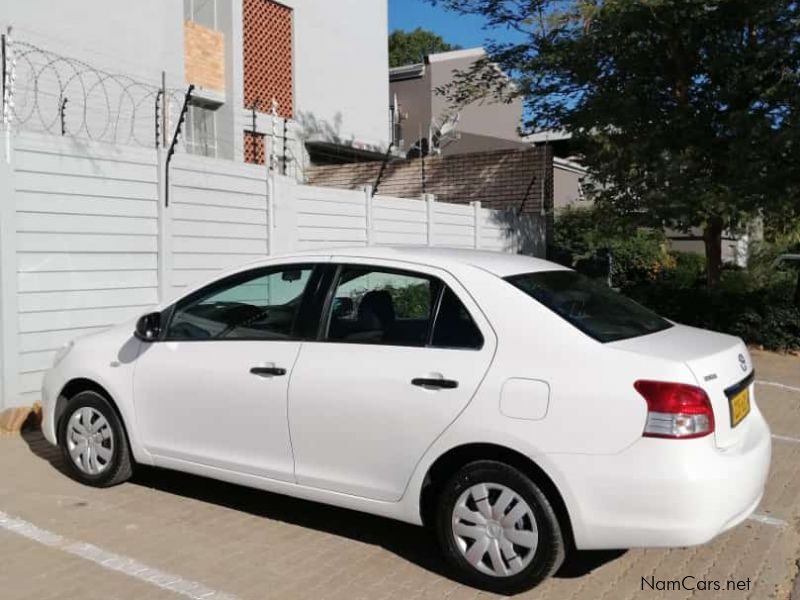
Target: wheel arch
x=455 y=458
x=74 y=387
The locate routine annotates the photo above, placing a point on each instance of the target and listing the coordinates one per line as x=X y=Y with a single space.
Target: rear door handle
x=268 y=371
x=445 y=384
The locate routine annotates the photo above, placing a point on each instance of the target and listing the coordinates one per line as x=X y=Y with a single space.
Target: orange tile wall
x=267 y=31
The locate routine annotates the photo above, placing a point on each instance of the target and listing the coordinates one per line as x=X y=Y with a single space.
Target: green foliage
x=761 y=315
x=688 y=270
x=409 y=47
x=688 y=111
x=590 y=234
x=411 y=301
x=782 y=230
x=755 y=304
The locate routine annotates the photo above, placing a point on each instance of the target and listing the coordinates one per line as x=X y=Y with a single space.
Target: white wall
x=139 y=38
x=86 y=243
x=485 y=117
x=567 y=184
x=87 y=240
x=218 y=217
x=102 y=59
x=341 y=67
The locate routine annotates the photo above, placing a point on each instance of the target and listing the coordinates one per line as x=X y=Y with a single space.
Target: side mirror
x=148 y=327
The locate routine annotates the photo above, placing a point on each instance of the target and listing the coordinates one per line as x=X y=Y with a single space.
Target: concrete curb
x=14 y=421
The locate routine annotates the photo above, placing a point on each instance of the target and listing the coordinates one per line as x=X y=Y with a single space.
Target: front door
x=402 y=353
x=213 y=391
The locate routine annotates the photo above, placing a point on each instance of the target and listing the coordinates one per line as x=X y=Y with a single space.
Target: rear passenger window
x=454 y=327
x=377 y=306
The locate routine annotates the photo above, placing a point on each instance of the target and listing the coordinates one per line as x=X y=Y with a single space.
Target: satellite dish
x=441 y=133
x=444 y=132
x=449 y=125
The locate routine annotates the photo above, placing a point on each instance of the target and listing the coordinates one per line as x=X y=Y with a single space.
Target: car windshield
x=592 y=307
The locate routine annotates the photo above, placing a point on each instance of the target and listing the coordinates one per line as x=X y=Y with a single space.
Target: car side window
x=258 y=305
x=454 y=327
x=381 y=306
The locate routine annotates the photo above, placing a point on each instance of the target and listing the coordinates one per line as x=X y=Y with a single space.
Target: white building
x=323 y=62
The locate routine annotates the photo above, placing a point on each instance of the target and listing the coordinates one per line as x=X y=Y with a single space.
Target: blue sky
x=465 y=31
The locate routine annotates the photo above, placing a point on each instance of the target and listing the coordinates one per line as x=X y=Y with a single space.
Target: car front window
x=592 y=307
x=261 y=305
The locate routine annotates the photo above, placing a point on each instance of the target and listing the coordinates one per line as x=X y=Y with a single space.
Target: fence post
x=476 y=222
x=9 y=320
x=368 y=213
x=284 y=227
x=271 y=223
x=165 y=266
x=430 y=199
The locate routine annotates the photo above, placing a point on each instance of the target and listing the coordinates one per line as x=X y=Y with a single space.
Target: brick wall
x=204 y=57
x=267 y=41
x=500 y=179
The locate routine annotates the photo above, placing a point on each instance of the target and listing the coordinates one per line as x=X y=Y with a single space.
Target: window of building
x=201 y=130
x=202 y=12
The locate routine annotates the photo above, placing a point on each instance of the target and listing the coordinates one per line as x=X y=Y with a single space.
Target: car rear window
x=592 y=307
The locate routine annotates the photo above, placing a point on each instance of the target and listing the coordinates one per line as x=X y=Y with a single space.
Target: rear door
x=400 y=354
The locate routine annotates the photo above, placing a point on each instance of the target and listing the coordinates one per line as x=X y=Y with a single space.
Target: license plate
x=740 y=406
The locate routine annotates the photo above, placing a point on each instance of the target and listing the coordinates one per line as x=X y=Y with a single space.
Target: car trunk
x=720 y=363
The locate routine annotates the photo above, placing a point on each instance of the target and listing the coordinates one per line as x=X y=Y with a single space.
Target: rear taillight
x=675 y=410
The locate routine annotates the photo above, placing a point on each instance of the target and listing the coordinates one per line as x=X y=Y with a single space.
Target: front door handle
x=268 y=371
x=432 y=382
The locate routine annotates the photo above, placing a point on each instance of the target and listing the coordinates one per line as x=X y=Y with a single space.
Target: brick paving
x=249 y=544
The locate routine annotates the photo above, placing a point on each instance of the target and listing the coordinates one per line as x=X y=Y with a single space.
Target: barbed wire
x=48 y=92
x=61 y=95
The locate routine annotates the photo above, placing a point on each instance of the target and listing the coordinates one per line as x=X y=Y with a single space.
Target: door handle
x=445 y=384
x=268 y=371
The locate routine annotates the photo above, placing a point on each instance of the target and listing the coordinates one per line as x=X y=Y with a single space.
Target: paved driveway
x=168 y=535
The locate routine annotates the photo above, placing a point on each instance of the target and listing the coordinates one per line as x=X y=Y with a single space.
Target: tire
x=531 y=537
x=105 y=459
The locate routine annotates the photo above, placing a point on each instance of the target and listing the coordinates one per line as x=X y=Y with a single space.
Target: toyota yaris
x=510 y=404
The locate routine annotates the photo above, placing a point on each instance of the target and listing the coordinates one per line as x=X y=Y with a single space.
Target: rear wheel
x=497 y=528
x=93 y=442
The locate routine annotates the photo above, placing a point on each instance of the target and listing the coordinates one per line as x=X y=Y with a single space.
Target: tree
x=685 y=111
x=409 y=47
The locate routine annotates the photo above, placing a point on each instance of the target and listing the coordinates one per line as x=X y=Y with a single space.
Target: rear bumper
x=665 y=492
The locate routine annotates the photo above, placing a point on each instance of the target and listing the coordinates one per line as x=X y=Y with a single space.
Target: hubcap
x=90 y=440
x=495 y=529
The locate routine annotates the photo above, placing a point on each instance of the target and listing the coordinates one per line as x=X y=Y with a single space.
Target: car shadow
x=414 y=544
x=583 y=562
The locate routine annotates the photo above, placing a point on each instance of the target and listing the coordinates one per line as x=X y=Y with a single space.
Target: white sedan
x=514 y=406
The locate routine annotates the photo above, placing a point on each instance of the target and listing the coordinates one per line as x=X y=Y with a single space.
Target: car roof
x=501 y=264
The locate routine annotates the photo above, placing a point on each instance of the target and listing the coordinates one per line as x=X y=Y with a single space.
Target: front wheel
x=93 y=441
x=497 y=528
